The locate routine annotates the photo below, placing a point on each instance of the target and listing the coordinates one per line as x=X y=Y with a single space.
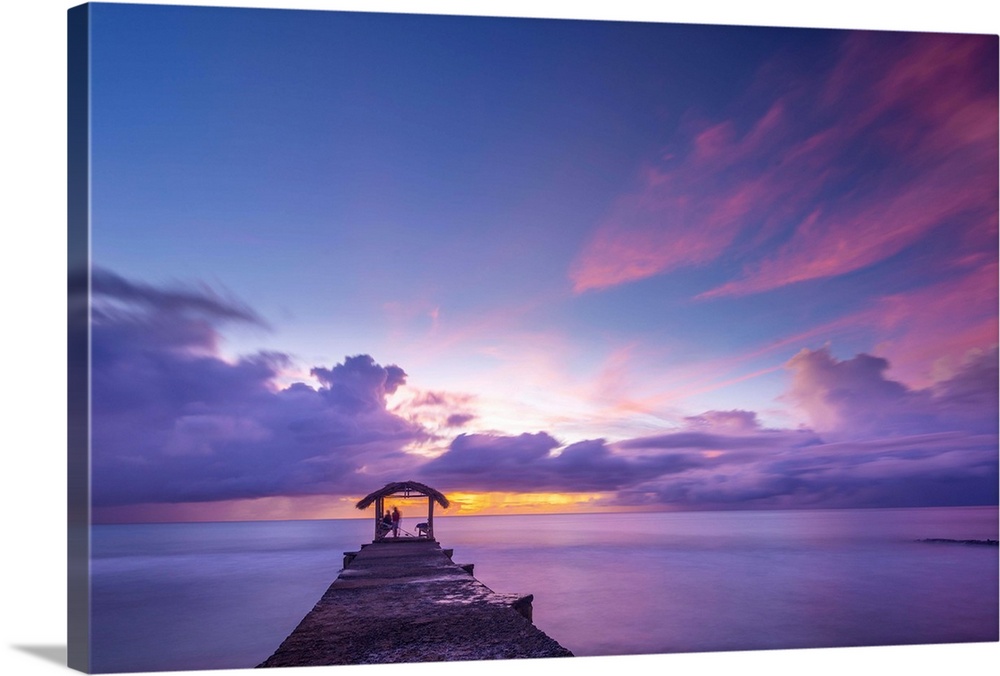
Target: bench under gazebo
x=405 y=490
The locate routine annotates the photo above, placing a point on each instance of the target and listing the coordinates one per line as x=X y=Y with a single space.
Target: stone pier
x=405 y=600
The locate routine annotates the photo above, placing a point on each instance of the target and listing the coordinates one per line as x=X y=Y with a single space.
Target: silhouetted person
x=395 y=521
x=386 y=524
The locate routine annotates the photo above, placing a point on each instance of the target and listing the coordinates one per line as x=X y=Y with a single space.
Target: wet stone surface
x=408 y=602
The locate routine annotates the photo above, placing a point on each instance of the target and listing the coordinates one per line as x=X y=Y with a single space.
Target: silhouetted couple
x=390 y=522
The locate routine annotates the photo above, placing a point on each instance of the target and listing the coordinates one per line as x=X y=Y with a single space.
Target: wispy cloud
x=842 y=171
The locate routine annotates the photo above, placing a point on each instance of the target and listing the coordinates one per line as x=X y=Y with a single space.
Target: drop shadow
x=56 y=654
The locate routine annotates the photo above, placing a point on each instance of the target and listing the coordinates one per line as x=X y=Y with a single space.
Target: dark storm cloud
x=173 y=421
x=926 y=470
x=359 y=383
x=713 y=442
x=879 y=444
x=526 y=462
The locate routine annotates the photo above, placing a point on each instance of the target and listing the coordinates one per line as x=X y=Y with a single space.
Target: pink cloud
x=850 y=397
x=927 y=332
x=881 y=227
x=626 y=384
x=931 y=330
x=916 y=117
x=437 y=411
x=736 y=421
x=942 y=82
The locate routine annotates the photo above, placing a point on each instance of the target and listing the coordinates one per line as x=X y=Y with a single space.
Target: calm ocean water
x=224 y=595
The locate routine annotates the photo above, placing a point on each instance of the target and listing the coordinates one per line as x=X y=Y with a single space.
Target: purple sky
x=645 y=265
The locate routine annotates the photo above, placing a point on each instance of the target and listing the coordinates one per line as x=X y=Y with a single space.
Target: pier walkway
x=406 y=601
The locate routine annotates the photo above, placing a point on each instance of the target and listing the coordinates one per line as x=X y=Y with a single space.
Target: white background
x=32 y=339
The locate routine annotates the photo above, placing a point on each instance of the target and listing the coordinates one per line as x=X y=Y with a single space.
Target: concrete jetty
x=405 y=600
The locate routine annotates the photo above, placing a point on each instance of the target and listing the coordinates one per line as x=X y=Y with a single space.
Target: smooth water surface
x=224 y=595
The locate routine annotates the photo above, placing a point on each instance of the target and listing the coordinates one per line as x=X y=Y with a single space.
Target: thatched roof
x=401 y=487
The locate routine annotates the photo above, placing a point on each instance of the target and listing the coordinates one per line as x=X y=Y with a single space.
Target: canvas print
x=399 y=338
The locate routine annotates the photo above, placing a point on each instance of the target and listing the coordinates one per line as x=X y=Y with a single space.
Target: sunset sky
x=540 y=265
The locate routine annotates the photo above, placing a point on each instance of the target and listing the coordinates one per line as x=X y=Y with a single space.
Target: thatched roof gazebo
x=405 y=490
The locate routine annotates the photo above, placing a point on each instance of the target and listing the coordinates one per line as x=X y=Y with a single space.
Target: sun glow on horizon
x=496 y=503
x=305 y=508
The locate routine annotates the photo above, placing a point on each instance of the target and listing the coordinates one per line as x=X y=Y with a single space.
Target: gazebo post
x=378 y=515
x=430 y=517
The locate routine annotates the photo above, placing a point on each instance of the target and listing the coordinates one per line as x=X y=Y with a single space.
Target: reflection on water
x=224 y=595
